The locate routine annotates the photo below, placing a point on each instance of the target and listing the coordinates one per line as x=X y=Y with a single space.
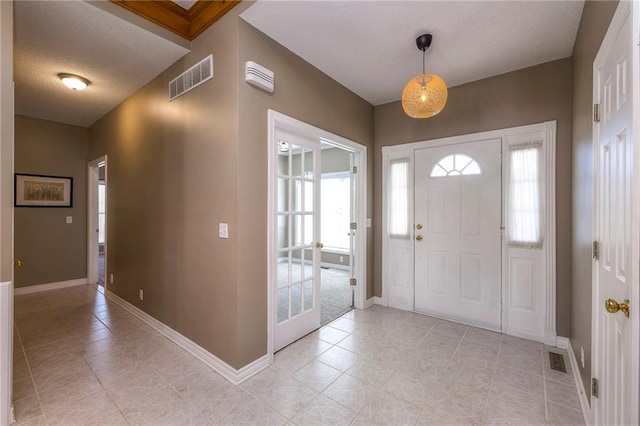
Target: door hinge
x=596 y=113
x=594 y=387
x=354 y=170
x=354 y=225
x=353 y=282
x=595 y=252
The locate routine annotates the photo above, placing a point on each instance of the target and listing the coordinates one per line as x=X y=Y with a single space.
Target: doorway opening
x=97 y=223
x=336 y=215
x=317 y=219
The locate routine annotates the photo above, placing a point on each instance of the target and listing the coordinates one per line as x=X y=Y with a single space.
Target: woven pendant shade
x=424 y=96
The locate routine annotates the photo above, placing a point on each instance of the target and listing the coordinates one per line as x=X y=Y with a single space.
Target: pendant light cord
x=423 y=52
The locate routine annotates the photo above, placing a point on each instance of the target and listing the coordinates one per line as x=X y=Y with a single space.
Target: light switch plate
x=69 y=219
x=223 y=230
x=368 y=222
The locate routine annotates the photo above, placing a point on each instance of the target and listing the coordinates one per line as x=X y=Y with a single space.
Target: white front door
x=457 y=236
x=297 y=293
x=612 y=363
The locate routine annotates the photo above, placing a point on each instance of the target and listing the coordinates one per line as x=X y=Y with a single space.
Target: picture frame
x=43 y=191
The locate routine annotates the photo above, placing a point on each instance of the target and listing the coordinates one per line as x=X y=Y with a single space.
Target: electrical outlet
x=582 y=356
x=69 y=219
x=140 y=294
x=110 y=278
x=341 y=259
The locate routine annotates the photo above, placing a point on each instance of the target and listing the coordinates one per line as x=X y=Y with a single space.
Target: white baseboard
x=378 y=301
x=563 y=342
x=584 y=401
x=49 y=286
x=551 y=338
x=335 y=266
x=235 y=376
x=370 y=302
x=6 y=352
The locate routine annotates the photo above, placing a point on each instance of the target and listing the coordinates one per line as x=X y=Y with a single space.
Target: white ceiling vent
x=191 y=78
x=259 y=76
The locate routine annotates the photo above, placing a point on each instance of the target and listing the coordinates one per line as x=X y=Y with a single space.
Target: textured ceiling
x=369 y=46
x=76 y=37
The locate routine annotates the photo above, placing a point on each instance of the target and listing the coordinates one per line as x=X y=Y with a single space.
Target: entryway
x=469 y=230
x=316 y=249
x=97 y=222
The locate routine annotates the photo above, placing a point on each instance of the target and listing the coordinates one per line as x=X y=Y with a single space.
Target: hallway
x=81 y=359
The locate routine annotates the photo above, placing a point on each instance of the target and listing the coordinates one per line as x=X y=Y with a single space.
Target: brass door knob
x=419 y=237
x=319 y=245
x=419 y=226
x=612 y=306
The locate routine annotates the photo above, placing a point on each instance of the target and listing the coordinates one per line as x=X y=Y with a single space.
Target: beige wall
x=596 y=17
x=172 y=177
x=6 y=141
x=527 y=96
x=304 y=93
x=51 y=250
x=177 y=169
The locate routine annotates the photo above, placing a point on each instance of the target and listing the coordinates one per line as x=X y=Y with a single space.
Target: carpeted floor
x=101 y=269
x=336 y=293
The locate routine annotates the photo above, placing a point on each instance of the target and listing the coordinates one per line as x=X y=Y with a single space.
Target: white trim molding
x=6 y=352
x=233 y=375
x=582 y=395
x=378 y=301
x=49 y=286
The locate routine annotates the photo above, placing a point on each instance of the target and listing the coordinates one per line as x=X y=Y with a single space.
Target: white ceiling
x=118 y=57
x=185 y=4
x=369 y=46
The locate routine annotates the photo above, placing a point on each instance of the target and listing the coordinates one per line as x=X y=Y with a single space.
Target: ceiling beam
x=186 y=23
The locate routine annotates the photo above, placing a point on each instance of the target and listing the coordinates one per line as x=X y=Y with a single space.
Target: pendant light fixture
x=424 y=95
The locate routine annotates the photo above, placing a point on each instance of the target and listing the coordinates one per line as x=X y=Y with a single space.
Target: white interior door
x=612 y=363
x=458 y=236
x=297 y=238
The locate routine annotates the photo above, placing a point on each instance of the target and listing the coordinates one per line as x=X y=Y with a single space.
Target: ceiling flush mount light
x=424 y=95
x=74 y=82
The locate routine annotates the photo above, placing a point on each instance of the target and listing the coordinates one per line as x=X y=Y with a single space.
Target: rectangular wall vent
x=259 y=76
x=191 y=78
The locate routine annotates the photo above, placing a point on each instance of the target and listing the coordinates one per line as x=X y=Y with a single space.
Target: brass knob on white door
x=612 y=306
x=419 y=237
x=319 y=245
x=419 y=226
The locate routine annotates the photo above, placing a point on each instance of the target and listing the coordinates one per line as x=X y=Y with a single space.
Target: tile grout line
x=493 y=376
x=544 y=386
x=33 y=382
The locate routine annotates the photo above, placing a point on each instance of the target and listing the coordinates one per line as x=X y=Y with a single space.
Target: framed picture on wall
x=43 y=191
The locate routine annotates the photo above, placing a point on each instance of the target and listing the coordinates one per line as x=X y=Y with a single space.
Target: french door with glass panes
x=298 y=230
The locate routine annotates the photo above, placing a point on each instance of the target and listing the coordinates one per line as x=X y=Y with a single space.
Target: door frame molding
x=282 y=121
x=92 y=221
x=624 y=9
x=549 y=335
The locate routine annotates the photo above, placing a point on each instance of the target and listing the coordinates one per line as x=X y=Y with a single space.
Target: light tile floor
x=80 y=359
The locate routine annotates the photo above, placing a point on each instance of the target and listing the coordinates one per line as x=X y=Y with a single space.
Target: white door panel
x=298 y=229
x=457 y=215
x=612 y=349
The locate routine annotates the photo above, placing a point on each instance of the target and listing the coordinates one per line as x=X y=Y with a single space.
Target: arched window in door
x=456 y=165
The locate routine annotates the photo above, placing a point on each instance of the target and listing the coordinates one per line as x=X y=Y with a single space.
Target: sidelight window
x=524 y=205
x=399 y=199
